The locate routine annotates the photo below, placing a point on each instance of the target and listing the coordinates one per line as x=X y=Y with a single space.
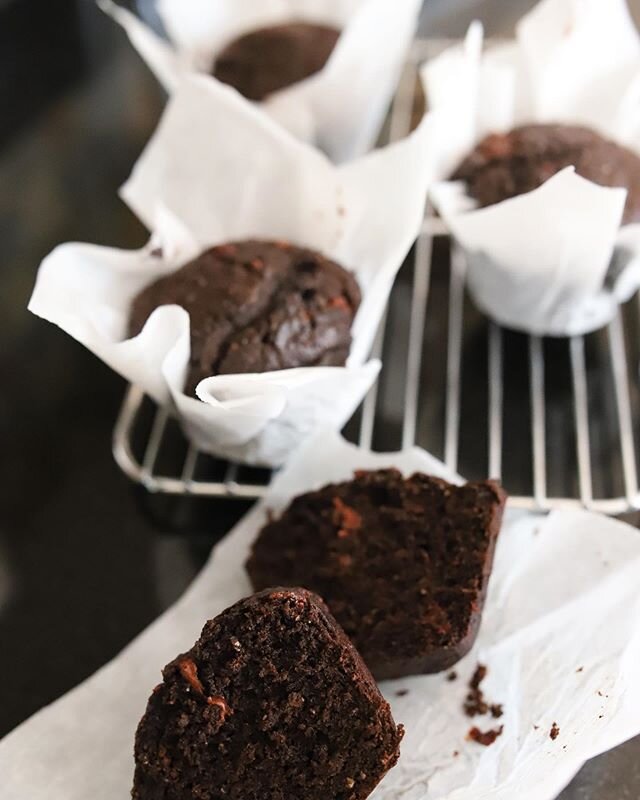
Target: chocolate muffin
x=272 y=703
x=257 y=306
x=403 y=564
x=268 y=59
x=504 y=165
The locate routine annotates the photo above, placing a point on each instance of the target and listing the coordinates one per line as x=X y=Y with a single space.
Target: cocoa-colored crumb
x=478 y=676
x=484 y=738
x=452 y=676
x=554 y=732
x=475 y=704
x=475 y=707
x=402 y=692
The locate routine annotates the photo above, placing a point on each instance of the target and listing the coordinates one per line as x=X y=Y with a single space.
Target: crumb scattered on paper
x=475 y=703
x=484 y=738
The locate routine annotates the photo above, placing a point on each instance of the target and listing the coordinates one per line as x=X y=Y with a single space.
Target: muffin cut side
x=504 y=165
x=271 y=703
x=256 y=306
x=403 y=564
x=268 y=59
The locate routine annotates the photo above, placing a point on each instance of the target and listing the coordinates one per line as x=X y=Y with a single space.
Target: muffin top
x=265 y=60
x=505 y=165
x=256 y=306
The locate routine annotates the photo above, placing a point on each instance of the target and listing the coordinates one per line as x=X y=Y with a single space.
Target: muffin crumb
x=484 y=738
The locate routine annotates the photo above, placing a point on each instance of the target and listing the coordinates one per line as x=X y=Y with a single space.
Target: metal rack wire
x=598 y=408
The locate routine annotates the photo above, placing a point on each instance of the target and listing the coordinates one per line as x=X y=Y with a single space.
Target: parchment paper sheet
x=560 y=637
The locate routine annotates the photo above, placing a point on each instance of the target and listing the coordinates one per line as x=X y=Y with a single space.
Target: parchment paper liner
x=218 y=170
x=554 y=261
x=341 y=107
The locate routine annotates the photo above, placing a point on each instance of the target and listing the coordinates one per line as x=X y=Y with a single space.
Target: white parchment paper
x=560 y=637
x=541 y=262
x=340 y=108
x=218 y=170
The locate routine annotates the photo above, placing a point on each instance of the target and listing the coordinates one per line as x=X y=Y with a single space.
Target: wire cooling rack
x=555 y=419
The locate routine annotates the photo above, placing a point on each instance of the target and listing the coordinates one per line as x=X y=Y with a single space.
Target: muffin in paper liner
x=341 y=107
x=554 y=261
x=216 y=171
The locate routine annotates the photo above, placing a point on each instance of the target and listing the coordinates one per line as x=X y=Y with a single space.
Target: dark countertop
x=85 y=559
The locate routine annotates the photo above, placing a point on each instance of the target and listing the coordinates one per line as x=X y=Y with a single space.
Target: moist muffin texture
x=256 y=306
x=265 y=60
x=403 y=564
x=272 y=703
x=504 y=165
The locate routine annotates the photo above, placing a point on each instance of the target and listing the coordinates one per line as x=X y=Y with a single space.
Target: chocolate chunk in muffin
x=265 y=60
x=272 y=702
x=256 y=306
x=403 y=564
x=504 y=165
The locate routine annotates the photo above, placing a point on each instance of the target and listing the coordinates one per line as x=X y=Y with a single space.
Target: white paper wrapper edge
x=529 y=273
